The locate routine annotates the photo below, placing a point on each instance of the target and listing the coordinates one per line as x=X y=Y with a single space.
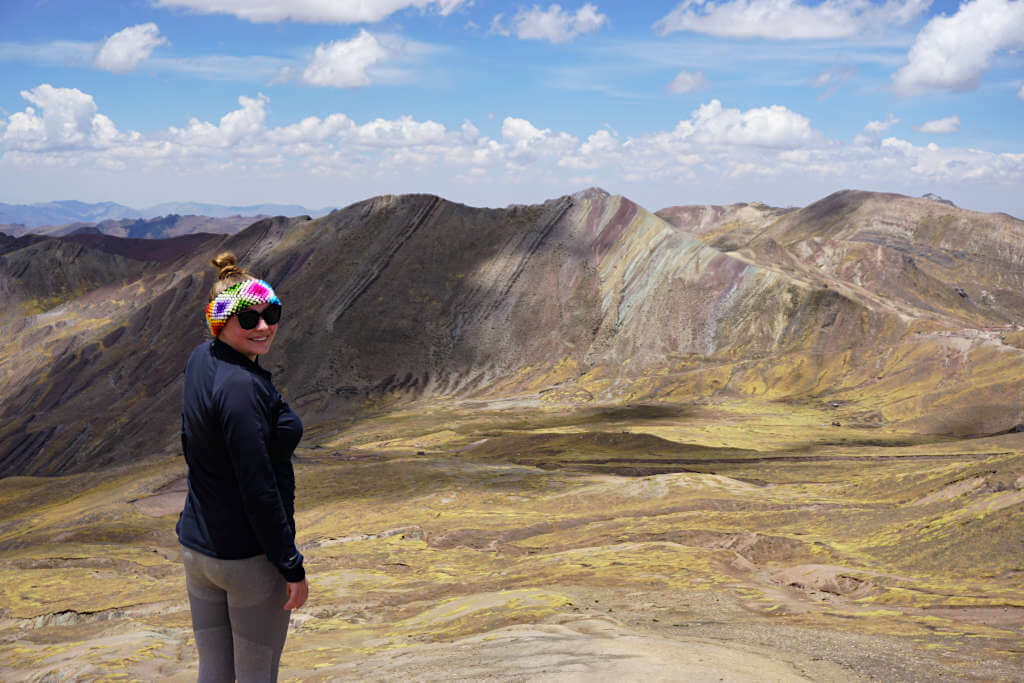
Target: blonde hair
x=228 y=273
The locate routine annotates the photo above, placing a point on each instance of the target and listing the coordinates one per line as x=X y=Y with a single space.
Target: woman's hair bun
x=228 y=273
x=225 y=265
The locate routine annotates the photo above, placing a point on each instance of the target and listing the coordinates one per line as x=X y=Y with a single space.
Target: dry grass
x=737 y=537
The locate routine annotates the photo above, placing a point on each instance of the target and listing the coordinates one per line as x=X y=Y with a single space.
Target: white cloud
x=253 y=68
x=898 y=145
x=69 y=121
x=787 y=19
x=601 y=141
x=831 y=79
x=950 y=124
x=835 y=75
x=957 y=165
x=554 y=24
x=774 y=126
x=62 y=53
x=402 y=132
x=498 y=26
x=520 y=132
x=398 y=61
x=881 y=126
x=240 y=125
x=599 y=149
x=343 y=64
x=312 y=11
x=685 y=82
x=713 y=150
x=952 y=53
x=1020 y=93
x=470 y=133
x=723 y=141
x=525 y=143
x=123 y=51
x=312 y=130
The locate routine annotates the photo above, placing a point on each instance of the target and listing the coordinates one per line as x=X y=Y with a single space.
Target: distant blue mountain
x=59 y=213
x=221 y=211
x=64 y=212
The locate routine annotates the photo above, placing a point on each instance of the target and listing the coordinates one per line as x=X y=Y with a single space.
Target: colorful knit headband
x=238 y=298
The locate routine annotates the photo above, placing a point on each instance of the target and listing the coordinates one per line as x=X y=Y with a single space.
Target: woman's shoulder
x=234 y=384
x=231 y=376
x=200 y=353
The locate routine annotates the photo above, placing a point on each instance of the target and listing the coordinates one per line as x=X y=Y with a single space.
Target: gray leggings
x=238 y=616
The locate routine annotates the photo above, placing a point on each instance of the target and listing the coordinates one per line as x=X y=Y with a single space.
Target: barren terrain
x=510 y=541
x=569 y=441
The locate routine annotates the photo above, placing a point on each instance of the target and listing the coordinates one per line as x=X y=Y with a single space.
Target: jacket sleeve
x=287 y=432
x=245 y=410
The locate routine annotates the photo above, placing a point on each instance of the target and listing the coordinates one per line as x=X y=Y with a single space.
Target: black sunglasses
x=250 y=317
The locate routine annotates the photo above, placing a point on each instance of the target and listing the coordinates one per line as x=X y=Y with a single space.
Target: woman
x=242 y=568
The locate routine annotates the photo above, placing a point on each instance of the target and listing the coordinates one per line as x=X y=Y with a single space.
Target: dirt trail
x=591 y=649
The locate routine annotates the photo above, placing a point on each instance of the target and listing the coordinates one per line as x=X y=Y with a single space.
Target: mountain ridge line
x=585 y=300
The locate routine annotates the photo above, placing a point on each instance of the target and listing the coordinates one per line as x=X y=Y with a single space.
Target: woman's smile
x=249 y=343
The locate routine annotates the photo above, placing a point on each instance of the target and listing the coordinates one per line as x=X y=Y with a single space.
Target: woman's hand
x=297 y=594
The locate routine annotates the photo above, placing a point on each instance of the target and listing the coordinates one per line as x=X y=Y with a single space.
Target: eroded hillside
x=585 y=300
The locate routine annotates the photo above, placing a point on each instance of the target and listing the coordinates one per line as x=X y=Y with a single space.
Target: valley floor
x=508 y=541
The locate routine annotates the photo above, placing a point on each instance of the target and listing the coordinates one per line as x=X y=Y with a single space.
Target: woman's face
x=249 y=343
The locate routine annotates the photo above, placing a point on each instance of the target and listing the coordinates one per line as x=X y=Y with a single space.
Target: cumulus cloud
x=366 y=58
x=712 y=147
x=873 y=130
x=402 y=132
x=722 y=141
x=312 y=130
x=599 y=149
x=881 y=126
x=774 y=126
x=520 y=132
x=601 y=141
x=956 y=165
x=787 y=19
x=235 y=127
x=554 y=24
x=69 y=121
x=311 y=11
x=123 y=51
x=525 y=143
x=685 y=82
x=953 y=53
x=343 y=64
x=950 y=124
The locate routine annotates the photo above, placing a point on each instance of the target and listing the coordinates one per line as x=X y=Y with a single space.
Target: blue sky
x=326 y=102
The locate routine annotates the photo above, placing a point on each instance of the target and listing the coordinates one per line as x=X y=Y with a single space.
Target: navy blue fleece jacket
x=238 y=436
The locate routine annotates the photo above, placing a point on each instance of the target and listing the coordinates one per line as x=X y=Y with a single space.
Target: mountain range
x=171 y=225
x=64 y=212
x=905 y=311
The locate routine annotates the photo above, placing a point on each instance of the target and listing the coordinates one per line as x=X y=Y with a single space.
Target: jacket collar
x=226 y=353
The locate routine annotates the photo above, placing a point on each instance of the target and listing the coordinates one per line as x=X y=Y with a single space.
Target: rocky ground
x=509 y=541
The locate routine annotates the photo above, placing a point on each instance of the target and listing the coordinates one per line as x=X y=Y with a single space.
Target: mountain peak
x=936 y=198
x=591 y=193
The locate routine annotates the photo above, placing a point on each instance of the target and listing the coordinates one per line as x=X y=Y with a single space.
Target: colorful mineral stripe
x=238 y=298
